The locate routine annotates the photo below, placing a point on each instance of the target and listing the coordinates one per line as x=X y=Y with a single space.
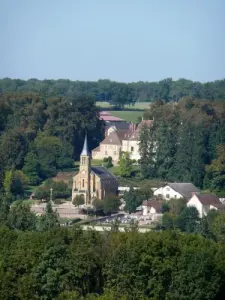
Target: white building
x=204 y=203
x=176 y=190
x=153 y=209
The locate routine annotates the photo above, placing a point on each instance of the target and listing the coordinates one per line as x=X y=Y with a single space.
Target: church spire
x=85 y=147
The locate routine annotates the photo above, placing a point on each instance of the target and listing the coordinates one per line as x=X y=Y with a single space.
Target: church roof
x=102 y=172
x=85 y=147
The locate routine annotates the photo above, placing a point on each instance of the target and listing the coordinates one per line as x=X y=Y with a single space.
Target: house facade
x=176 y=190
x=152 y=209
x=204 y=203
x=92 y=182
x=110 y=146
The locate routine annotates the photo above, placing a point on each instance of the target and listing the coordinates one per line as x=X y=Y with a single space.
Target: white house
x=153 y=209
x=204 y=203
x=176 y=190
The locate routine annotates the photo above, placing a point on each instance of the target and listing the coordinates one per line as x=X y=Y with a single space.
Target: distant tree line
x=118 y=93
x=186 y=143
x=39 y=134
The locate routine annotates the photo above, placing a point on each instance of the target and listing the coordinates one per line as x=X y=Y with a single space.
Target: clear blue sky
x=122 y=40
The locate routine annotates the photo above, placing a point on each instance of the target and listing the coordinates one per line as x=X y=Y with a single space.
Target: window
x=83 y=183
x=167 y=196
x=83 y=160
x=132 y=149
x=105 y=152
x=175 y=196
x=167 y=188
x=114 y=152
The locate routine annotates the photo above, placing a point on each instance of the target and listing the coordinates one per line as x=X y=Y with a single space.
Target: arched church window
x=83 y=183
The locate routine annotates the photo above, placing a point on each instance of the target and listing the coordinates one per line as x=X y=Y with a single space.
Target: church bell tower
x=85 y=169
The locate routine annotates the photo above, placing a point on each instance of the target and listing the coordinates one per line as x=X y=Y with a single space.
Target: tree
x=176 y=205
x=133 y=199
x=107 y=161
x=215 y=172
x=32 y=168
x=125 y=165
x=21 y=218
x=78 y=200
x=98 y=204
x=218 y=227
x=15 y=182
x=8 y=179
x=111 y=204
x=19 y=183
x=169 y=221
x=188 y=220
x=49 y=219
x=4 y=210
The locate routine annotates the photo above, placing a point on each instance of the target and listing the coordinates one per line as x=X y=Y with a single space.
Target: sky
x=121 y=40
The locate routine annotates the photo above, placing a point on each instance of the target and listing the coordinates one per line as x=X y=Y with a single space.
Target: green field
x=138 y=105
x=129 y=116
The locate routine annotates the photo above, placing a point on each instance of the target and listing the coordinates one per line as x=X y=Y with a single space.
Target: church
x=92 y=182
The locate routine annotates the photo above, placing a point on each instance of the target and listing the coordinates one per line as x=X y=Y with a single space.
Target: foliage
x=68 y=263
x=181 y=143
x=176 y=205
x=125 y=164
x=116 y=93
x=111 y=204
x=15 y=182
x=60 y=190
x=107 y=162
x=133 y=199
x=188 y=219
x=215 y=172
x=50 y=219
x=21 y=218
x=41 y=134
x=78 y=200
x=98 y=204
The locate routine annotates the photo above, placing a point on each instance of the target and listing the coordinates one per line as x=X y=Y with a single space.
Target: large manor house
x=120 y=136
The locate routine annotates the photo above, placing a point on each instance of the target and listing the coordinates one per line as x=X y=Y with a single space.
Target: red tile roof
x=110 y=118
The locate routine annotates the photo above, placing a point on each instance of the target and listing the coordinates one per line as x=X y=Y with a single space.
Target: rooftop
x=207 y=199
x=185 y=189
x=102 y=172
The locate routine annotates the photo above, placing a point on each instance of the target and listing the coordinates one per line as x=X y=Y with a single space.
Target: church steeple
x=85 y=147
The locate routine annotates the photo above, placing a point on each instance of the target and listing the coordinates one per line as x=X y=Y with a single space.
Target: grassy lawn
x=130 y=116
x=138 y=105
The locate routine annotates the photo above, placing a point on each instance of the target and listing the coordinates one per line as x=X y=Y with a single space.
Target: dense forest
x=119 y=93
x=39 y=135
x=186 y=143
x=71 y=264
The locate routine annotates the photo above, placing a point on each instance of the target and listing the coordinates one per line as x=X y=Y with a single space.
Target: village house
x=92 y=182
x=176 y=190
x=153 y=209
x=204 y=203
